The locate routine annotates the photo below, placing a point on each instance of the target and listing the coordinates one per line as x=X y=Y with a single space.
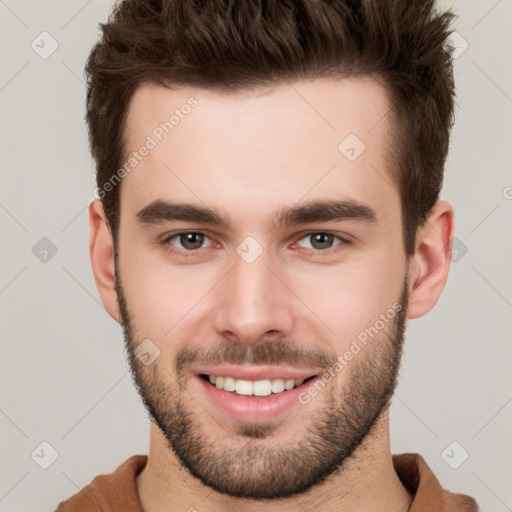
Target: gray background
x=64 y=379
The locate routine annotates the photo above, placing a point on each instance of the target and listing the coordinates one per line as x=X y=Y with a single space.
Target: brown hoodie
x=117 y=491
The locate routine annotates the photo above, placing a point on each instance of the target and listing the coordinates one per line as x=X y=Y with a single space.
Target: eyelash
x=194 y=252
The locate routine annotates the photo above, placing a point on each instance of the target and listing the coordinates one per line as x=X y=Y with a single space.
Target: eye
x=320 y=241
x=189 y=240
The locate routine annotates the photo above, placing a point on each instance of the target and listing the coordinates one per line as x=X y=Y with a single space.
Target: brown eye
x=189 y=241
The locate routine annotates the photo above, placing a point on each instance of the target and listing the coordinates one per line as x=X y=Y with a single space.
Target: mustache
x=272 y=353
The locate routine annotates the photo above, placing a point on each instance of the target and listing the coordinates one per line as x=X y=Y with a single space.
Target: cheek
x=349 y=298
x=160 y=295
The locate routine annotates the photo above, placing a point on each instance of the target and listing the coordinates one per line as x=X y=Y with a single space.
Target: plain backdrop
x=64 y=378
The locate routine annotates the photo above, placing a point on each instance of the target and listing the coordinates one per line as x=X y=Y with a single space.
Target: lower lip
x=254 y=409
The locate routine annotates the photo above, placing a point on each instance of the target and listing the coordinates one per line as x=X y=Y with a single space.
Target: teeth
x=288 y=384
x=262 y=387
x=229 y=384
x=277 y=385
x=243 y=387
x=254 y=388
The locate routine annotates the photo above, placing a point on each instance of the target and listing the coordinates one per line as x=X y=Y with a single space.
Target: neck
x=366 y=482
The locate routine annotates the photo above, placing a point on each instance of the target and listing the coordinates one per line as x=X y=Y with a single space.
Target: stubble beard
x=256 y=465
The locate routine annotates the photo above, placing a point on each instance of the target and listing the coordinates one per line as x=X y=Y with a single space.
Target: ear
x=101 y=251
x=429 y=266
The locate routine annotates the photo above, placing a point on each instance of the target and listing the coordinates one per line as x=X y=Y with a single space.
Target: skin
x=250 y=156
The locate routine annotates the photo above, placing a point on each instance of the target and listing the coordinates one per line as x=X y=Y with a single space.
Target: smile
x=253 y=394
x=244 y=387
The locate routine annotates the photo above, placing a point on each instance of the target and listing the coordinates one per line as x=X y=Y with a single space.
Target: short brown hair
x=231 y=45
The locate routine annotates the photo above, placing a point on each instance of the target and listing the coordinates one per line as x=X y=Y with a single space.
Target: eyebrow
x=313 y=212
x=162 y=211
x=324 y=211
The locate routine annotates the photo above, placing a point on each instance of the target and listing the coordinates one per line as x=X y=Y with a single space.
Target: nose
x=253 y=303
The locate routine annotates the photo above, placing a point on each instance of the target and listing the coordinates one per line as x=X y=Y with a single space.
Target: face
x=260 y=249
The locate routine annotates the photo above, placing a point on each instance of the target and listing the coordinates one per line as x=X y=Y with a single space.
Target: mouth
x=253 y=394
x=257 y=388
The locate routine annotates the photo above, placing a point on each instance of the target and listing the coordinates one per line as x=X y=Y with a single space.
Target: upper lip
x=256 y=372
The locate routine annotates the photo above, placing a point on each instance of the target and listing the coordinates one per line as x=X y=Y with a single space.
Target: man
x=267 y=219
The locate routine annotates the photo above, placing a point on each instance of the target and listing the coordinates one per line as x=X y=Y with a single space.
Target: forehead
x=255 y=149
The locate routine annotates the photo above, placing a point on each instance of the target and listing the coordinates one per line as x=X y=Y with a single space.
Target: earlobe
x=429 y=266
x=101 y=251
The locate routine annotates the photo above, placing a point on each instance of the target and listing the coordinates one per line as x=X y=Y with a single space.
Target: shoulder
x=107 y=492
x=420 y=481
